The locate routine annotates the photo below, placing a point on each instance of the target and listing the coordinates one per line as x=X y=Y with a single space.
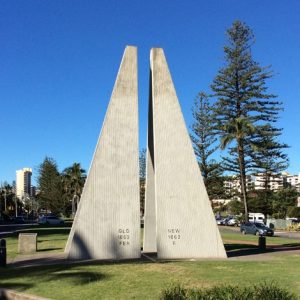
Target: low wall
x=278 y=223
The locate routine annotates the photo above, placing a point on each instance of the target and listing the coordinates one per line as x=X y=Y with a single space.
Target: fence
x=278 y=223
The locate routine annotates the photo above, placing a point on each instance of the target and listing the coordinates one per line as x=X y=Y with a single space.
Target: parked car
x=233 y=222
x=52 y=220
x=220 y=222
x=227 y=219
x=256 y=228
x=6 y=219
x=19 y=220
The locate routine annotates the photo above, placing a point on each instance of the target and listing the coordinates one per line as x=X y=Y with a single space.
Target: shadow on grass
x=49 y=249
x=234 y=250
x=285 y=247
x=241 y=250
x=80 y=277
x=41 y=240
x=291 y=245
x=36 y=275
x=17 y=285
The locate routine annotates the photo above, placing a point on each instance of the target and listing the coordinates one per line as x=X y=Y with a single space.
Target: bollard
x=262 y=242
x=3 y=253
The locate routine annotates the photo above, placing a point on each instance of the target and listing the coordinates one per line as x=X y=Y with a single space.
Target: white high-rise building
x=257 y=182
x=23 y=183
x=275 y=181
x=292 y=181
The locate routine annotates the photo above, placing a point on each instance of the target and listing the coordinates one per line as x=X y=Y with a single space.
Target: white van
x=256 y=217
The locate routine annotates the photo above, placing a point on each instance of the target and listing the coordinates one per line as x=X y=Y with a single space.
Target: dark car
x=256 y=228
x=52 y=220
x=19 y=220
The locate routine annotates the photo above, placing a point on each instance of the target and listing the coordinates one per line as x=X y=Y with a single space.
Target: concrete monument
x=107 y=222
x=27 y=243
x=149 y=243
x=179 y=222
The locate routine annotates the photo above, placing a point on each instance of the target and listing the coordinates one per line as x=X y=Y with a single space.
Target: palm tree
x=237 y=130
x=7 y=198
x=73 y=179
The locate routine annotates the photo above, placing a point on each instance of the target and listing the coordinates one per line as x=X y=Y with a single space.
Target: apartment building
x=258 y=181
x=23 y=183
x=292 y=180
x=275 y=182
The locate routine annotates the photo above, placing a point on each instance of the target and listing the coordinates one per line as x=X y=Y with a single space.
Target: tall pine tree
x=268 y=157
x=50 y=186
x=204 y=142
x=243 y=104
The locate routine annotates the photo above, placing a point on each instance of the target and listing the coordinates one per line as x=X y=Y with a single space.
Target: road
x=11 y=228
x=279 y=233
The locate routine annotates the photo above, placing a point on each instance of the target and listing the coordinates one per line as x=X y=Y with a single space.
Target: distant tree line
x=59 y=192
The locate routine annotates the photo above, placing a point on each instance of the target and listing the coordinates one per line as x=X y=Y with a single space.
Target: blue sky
x=59 y=60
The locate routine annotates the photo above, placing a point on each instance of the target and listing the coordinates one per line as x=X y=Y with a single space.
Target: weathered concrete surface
x=7 y=294
x=186 y=227
x=107 y=222
x=27 y=243
x=149 y=242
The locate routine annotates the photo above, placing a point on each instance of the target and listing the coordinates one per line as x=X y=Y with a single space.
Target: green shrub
x=264 y=291
x=175 y=292
x=293 y=212
x=294 y=227
x=271 y=291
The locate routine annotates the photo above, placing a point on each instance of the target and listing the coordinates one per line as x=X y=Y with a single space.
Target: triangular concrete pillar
x=185 y=224
x=149 y=243
x=107 y=222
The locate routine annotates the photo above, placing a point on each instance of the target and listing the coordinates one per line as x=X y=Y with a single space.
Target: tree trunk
x=241 y=160
x=73 y=207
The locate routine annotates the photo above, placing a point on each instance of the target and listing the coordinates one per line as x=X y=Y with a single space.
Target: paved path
x=288 y=234
x=246 y=254
x=280 y=233
x=34 y=260
x=12 y=228
x=38 y=260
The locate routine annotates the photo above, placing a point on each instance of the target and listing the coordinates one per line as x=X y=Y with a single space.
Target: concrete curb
x=6 y=294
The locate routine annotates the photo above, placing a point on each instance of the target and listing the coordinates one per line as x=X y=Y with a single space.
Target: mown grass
x=228 y=234
x=146 y=280
x=49 y=239
x=53 y=239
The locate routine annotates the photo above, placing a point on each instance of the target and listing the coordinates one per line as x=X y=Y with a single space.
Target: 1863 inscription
x=124 y=236
x=174 y=235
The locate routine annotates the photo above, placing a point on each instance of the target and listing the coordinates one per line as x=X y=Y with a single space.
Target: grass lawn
x=145 y=280
x=50 y=239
